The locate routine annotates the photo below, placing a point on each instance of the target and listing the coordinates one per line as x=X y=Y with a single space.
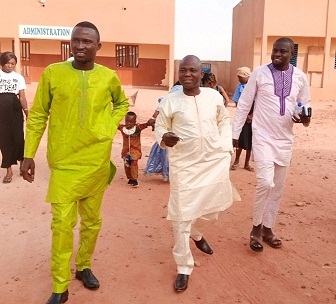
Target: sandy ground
x=133 y=258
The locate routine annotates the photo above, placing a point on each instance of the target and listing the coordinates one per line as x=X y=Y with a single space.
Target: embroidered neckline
x=282 y=84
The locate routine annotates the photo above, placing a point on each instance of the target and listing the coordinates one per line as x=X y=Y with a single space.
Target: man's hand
x=305 y=120
x=170 y=139
x=28 y=169
x=249 y=118
x=151 y=122
x=235 y=143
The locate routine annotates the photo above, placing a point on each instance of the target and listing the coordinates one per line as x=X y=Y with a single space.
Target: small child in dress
x=131 y=151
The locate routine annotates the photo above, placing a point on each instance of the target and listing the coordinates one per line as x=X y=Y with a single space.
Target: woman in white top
x=12 y=103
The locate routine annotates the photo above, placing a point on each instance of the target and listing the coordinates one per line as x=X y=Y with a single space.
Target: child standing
x=245 y=138
x=131 y=151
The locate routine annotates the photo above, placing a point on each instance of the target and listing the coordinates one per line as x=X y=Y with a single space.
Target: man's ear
x=292 y=51
x=99 y=46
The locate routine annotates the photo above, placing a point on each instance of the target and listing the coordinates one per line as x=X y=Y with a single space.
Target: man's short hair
x=90 y=25
x=286 y=40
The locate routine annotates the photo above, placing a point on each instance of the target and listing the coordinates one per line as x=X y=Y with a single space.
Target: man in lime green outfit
x=84 y=103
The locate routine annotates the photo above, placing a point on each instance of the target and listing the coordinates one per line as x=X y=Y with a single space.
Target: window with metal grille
x=127 y=56
x=293 y=60
x=65 y=50
x=206 y=67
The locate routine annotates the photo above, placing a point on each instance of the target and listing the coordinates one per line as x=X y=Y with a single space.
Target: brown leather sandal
x=234 y=166
x=256 y=243
x=7 y=179
x=272 y=241
x=249 y=168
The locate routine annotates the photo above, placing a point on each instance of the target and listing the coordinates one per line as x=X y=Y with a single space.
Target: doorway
x=25 y=60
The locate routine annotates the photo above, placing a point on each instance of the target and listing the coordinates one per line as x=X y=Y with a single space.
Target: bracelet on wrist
x=153 y=118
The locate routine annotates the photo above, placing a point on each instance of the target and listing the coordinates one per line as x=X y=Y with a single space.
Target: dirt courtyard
x=133 y=258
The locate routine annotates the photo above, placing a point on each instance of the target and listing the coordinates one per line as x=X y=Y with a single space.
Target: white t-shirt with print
x=11 y=82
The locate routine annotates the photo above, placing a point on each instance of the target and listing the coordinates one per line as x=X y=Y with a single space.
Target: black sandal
x=256 y=243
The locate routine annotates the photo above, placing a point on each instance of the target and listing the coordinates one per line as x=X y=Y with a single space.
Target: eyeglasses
x=11 y=63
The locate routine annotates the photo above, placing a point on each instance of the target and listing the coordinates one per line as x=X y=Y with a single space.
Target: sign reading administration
x=44 y=32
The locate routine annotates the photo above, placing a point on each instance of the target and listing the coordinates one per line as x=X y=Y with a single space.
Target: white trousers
x=270 y=183
x=185 y=230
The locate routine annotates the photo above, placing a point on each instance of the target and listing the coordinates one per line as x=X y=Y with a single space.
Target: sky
x=204 y=28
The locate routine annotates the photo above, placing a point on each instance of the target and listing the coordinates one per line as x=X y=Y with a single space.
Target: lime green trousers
x=64 y=219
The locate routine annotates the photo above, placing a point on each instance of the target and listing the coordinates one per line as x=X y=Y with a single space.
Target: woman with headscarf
x=243 y=75
x=245 y=138
x=12 y=103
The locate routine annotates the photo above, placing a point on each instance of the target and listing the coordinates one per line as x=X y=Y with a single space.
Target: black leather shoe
x=58 y=298
x=181 y=282
x=203 y=246
x=89 y=280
